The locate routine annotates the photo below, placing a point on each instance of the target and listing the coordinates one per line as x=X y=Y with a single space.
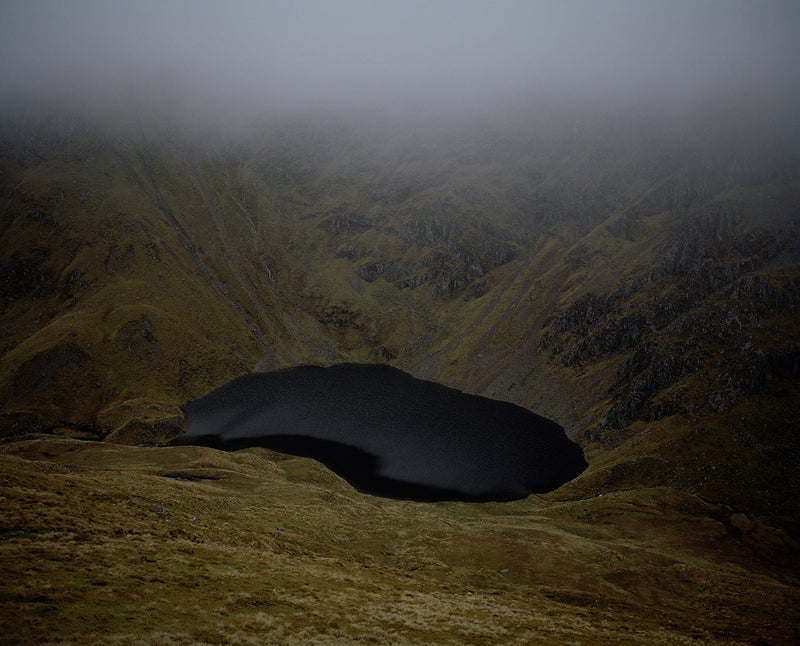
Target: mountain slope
x=639 y=285
x=638 y=289
x=110 y=544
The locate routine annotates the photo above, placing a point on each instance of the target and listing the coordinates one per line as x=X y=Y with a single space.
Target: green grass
x=277 y=548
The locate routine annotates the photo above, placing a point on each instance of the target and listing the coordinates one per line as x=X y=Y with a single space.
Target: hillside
x=626 y=288
x=113 y=544
x=638 y=285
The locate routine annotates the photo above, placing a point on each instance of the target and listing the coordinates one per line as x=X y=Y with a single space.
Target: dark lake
x=388 y=433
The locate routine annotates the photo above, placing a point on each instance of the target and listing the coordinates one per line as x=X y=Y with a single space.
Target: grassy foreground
x=111 y=544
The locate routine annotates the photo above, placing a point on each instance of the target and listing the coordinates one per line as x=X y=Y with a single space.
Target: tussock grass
x=98 y=544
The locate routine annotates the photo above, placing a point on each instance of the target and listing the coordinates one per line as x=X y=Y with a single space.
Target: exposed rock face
x=455 y=255
x=346 y=223
x=371 y=270
x=339 y=316
x=697 y=314
x=640 y=377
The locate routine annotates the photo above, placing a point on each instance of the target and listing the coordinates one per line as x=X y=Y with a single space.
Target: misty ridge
x=708 y=74
x=482 y=129
x=569 y=233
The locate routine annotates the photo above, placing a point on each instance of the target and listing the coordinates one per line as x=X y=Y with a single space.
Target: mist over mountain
x=611 y=275
x=590 y=210
x=202 y=60
x=530 y=184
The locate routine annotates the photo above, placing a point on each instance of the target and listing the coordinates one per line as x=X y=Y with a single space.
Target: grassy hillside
x=617 y=284
x=639 y=286
x=183 y=545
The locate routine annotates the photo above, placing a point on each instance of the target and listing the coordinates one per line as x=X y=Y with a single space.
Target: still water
x=388 y=433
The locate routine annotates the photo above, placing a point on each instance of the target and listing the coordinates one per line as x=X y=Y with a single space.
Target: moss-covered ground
x=114 y=544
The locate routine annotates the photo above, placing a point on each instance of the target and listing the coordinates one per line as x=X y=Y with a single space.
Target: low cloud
x=238 y=59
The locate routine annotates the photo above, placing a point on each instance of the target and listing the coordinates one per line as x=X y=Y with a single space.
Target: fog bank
x=202 y=59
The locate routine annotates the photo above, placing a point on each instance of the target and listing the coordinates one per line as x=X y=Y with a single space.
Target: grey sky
x=406 y=55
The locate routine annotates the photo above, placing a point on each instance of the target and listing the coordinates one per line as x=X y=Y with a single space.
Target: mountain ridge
x=590 y=278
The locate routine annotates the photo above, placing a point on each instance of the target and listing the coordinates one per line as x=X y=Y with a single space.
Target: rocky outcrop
x=458 y=256
x=373 y=269
x=592 y=326
x=345 y=223
x=716 y=247
x=340 y=316
x=755 y=367
x=640 y=377
x=691 y=326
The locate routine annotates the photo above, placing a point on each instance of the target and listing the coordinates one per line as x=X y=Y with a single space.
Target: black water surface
x=388 y=433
